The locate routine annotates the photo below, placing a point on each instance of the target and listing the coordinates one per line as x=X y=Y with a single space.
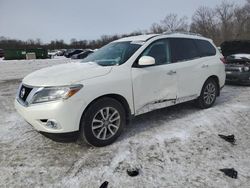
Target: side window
x=205 y=48
x=158 y=50
x=183 y=49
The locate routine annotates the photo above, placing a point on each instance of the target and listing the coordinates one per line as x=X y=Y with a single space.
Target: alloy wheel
x=106 y=123
x=209 y=93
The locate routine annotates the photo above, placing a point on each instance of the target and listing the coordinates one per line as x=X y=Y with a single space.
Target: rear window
x=205 y=48
x=183 y=49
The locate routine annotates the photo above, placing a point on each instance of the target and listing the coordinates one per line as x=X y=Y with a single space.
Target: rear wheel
x=103 y=122
x=208 y=94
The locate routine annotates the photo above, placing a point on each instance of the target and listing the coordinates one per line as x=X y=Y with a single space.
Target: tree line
x=225 y=21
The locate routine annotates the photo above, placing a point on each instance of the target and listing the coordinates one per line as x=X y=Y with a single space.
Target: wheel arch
x=216 y=79
x=118 y=98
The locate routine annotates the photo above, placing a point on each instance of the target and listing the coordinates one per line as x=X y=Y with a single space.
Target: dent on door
x=153 y=88
x=155 y=105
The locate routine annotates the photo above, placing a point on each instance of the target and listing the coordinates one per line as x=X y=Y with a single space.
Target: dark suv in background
x=1 y=53
x=237 y=57
x=69 y=53
x=83 y=54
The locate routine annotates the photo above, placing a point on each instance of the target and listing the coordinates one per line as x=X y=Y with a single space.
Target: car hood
x=241 y=56
x=65 y=74
x=235 y=47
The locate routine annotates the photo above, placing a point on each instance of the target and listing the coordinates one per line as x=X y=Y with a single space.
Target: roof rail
x=181 y=32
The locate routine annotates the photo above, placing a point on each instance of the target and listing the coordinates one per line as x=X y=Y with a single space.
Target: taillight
x=223 y=60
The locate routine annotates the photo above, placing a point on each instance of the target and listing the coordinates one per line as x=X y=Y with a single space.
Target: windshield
x=115 y=53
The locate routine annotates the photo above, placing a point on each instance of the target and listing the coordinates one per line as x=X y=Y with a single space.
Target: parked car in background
x=52 y=53
x=128 y=77
x=1 y=53
x=83 y=54
x=61 y=52
x=67 y=51
x=237 y=57
x=72 y=52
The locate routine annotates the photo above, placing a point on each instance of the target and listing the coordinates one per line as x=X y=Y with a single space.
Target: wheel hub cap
x=209 y=93
x=106 y=123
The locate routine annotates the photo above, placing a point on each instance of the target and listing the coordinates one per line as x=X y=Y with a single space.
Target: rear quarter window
x=205 y=48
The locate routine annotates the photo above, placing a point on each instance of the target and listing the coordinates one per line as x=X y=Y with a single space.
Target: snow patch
x=173 y=147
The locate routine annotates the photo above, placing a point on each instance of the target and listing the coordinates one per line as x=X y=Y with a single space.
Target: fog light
x=52 y=124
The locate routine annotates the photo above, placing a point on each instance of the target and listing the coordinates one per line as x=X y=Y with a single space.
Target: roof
x=137 y=38
x=185 y=35
x=143 y=38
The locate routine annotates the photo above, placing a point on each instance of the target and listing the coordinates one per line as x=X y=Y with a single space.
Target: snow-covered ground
x=173 y=147
x=17 y=69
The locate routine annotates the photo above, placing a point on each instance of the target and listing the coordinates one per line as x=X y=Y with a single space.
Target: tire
x=208 y=94
x=98 y=129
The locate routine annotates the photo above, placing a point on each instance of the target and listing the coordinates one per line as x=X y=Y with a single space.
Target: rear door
x=189 y=67
x=211 y=63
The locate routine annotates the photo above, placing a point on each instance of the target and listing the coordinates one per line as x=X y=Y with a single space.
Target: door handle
x=171 y=72
x=204 y=66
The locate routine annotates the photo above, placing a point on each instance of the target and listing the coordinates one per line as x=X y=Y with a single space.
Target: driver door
x=154 y=86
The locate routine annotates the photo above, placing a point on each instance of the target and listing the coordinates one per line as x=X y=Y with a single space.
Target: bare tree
x=204 y=22
x=241 y=22
x=156 y=28
x=225 y=13
x=172 y=23
x=247 y=24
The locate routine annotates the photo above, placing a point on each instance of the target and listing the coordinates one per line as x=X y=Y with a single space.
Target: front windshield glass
x=115 y=53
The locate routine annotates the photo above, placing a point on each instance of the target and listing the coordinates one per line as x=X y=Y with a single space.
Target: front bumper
x=240 y=77
x=66 y=113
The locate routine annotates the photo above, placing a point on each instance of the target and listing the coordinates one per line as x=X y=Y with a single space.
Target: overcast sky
x=87 y=19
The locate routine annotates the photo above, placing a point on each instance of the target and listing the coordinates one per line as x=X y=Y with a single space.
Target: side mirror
x=146 y=61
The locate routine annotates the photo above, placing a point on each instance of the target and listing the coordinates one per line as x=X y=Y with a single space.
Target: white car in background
x=53 y=53
x=125 y=78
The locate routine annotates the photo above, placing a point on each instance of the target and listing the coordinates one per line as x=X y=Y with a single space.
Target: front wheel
x=208 y=94
x=103 y=122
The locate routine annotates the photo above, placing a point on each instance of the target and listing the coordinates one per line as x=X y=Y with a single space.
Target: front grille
x=24 y=92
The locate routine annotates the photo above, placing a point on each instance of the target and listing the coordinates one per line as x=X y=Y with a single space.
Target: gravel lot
x=173 y=147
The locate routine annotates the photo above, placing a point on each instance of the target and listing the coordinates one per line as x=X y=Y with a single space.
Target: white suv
x=97 y=96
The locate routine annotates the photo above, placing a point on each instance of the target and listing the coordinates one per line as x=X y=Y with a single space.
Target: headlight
x=246 y=69
x=55 y=93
